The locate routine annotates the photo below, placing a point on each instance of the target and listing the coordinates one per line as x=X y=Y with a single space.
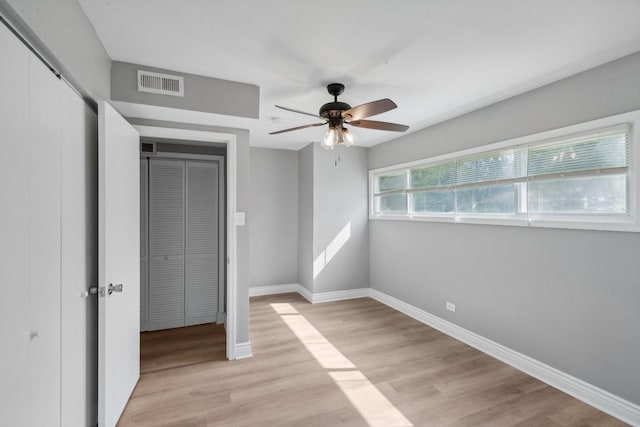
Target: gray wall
x=61 y=30
x=242 y=205
x=274 y=217
x=567 y=298
x=340 y=214
x=201 y=93
x=305 y=217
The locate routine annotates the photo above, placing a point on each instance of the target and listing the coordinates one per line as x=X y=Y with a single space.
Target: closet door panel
x=166 y=243
x=14 y=229
x=143 y=244
x=79 y=244
x=44 y=244
x=166 y=293
x=202 y=242
x=202 y=290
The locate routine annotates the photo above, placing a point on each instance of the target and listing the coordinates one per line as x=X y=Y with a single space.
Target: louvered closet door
x=143 y=244
x=202 y=243
x=166 y=244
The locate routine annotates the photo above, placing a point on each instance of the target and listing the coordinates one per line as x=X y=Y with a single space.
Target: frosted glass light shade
x=330 y=139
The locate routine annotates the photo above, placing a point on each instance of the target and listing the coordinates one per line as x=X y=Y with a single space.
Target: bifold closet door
x=44 y=245
x=166 y=244
x=201 y=245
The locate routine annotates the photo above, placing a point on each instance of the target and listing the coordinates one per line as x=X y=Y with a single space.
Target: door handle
x=112 y=288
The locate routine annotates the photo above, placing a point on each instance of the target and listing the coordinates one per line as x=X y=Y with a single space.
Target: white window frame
x=624 y=222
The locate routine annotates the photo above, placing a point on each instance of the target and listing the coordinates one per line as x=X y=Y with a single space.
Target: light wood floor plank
x=428 y=378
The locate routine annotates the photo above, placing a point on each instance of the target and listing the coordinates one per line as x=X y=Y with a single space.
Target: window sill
x=627 y=224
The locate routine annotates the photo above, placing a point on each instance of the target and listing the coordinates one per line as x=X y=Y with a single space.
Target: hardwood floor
x=179 y=347
x=352 y=363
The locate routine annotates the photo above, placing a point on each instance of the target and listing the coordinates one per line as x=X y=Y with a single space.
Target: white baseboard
x=588 y=393
x=243 y=350
x=339 y=295
x=308 y=295
x=273 y=290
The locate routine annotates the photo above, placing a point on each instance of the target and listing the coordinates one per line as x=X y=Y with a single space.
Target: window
x=577 y=177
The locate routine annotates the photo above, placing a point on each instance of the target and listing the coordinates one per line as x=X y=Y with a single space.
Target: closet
x=182 y=241
x=48 y=248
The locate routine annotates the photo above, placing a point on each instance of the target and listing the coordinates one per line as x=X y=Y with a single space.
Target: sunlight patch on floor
x=368 y=400
x=374 y=407
x=325 y=353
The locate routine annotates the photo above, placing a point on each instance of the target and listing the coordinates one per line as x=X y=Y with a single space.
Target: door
x=118 y=263
x=166 y=244
x=202 y=242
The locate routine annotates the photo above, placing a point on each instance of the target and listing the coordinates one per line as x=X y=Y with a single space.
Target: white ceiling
x=436 y=59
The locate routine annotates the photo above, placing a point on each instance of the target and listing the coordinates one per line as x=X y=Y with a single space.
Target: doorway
x=182 y=248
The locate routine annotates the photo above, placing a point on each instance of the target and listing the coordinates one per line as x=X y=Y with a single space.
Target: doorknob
x=112 y=288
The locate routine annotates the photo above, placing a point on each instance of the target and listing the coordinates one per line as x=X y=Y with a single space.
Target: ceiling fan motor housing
x=332 y=111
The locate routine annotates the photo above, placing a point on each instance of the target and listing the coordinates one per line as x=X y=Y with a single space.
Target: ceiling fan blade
x=369 y=109
x=297 y=128
x=372 y=124
x=300 y=112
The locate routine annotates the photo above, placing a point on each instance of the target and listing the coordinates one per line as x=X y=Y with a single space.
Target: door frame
x=231 y=179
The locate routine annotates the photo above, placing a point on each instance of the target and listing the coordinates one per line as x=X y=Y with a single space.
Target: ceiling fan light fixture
x=348 y=137
x=330 y=139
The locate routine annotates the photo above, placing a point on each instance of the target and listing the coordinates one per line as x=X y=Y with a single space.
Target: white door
x=118 y=263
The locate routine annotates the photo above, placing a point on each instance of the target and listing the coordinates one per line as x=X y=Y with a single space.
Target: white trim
x=230 y=141
x=185 y=134
x=339 y=295
x=626 y=223
x=243 y=350
x=306 y=294
x=588 y=393
x=273 y=290
x=232 y=265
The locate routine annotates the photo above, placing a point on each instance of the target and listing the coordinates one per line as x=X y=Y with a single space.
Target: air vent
x=164 y=84
x=148 y=148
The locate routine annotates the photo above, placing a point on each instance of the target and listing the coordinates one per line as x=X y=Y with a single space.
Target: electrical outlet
x=451 y=306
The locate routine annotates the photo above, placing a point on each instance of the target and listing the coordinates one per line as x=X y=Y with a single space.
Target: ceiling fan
x=337 y=114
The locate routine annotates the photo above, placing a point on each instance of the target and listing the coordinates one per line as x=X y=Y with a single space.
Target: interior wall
x=61 y=30
x=567 y=298
x=274 y=218
x=340 y=222
x=201 y=93
x=305 y=217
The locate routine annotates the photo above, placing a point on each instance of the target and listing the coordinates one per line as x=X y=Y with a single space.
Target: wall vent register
x=147 y=148
x=158 y=83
